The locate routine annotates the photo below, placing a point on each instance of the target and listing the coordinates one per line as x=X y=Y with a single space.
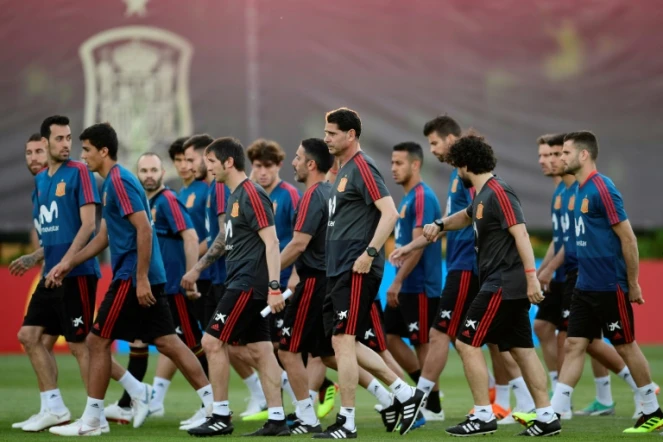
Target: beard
x=151 y=185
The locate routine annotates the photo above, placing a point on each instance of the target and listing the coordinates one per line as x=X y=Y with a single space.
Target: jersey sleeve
x=611 y=203
x=468 y=210
x=369 y=181
x=129 y=198
x=424 y=207
x=310 y=213
x=175 y=212
x=221 y=199
x=256 y=207
x=88 y=193
x=506 y=207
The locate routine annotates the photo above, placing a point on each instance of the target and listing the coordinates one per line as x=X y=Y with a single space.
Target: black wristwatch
x=274 y=285
x=372 y=252
x=440 y=224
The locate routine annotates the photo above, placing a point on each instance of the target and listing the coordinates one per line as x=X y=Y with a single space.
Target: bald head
x=150 y=171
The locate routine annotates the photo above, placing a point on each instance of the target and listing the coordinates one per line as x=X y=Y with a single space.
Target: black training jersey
x=311 y=218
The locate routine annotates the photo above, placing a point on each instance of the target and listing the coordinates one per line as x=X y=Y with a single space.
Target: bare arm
x=88 y=216
x=294 y=249
x=92 y=249
x=549 y=255
x=190 y=239
x=217 y=249
x=143 y=228
x=524 y=246
x=412 y=260
x=630 y=251
x=202 y=248
x=24 y=263
x=272 y=253
x=389 y=216
x=457 y=221
x=34 y=239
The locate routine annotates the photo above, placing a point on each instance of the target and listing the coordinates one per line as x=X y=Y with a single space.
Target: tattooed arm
x=216 y=250
x=21 y=265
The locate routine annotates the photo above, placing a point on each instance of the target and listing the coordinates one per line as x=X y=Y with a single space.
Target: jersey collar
x=589 y=177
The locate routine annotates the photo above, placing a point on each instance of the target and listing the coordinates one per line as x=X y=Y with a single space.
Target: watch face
x=274 y=285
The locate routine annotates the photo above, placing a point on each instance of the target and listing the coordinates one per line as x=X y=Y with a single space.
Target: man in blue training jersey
x=607 y=284
x=413 y=297
x=134 y=307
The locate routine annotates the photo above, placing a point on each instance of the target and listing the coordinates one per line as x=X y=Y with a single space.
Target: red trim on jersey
x=423 y=318
x=86 y=182
x=116 y=307
x=457 y=313
x=121 y=192
x=473 y=192
x=623 y=315
x=175 y=210
x=367 y=176
x=303 y=207
x=419 y=205
x=234 y=315
x=292 y=190
x=589 y=177
x=85 y=303
x=504 y=201
x=487 y=319
x=256 y=203
x=609 y=205
x=220 y=199
x=183 y=313
x=377 y=327
x=302 y=313
x=355 y=296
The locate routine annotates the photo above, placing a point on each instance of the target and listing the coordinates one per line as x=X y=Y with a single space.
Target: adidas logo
x=215 y=327
x=53 y=396
x=95 y=405
x=96 y=326
x=80 y=331
x=567 y=393
x=218 y=426
x=546 y=414
x=207 y=393
x=606 y=383
x=466 y=333
x=650 y=391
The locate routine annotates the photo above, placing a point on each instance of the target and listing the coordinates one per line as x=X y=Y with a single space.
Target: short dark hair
x=543 y=139
x=414 y=150
x=58 y=120
x=34 y=137
x=265 y=151
x=556 y=140
x=316 y=150
x=198 y=142
x=585 y=140
x=176 y=148
x=228 y=147
x=346 y=119
x=444 y=125
x=472 y=151
x=102 y=135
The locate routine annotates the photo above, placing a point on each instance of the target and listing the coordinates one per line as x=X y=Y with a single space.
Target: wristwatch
x=440 y=224
x=274 y=285
x=372 y=252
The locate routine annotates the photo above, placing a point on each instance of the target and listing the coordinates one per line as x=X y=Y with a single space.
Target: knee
x=343 y=344
x=541 y=328
x=329 y=361
x=95 y=343
x=210 y=344
x=465 y=349
x=78 y=349
x=28 y=337
x=624 y=350
x=287 y=357
x=575 y=346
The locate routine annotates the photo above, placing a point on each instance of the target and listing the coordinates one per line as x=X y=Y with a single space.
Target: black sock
x=415 y=375
x=433 y=402
x=326 y=383
x=137 y=367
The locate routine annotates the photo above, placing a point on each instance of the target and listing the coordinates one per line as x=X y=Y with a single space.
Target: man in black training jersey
x=500 y=312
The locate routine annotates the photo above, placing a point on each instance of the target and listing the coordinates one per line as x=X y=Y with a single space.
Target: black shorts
x=210 y=302
x=460 y=289
x=567 y=296
x=610 y=312
x=302 y=322
x=348 y=303
x=412 y=318
x=373 y=334
x=67 y=310
x=491 y=319
x=121 y=317
x=203 y=286
x=550 y=309
x=186 y=325
x=237 y=319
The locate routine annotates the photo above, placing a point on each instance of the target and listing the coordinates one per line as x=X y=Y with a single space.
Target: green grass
x=19 y=399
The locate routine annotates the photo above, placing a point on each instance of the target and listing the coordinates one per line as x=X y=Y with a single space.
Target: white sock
x=93 y=411
x=160 y=387
x=491 y=380
x=381 y=394
x=313 y=395
x=502 y=397
x=221 y=408
x=561 y=400
x=401 y=390
x=546 y=414
x=625 y=374
x=54 y=401
x=483 y=412
x=553 y=379
x=524 y=401
x=276 y=413
x=103 y=421
x=134 y=387
x=285 y=385
x=349 y=414
x=425 y=385
x=306 y=412
x=205 y=395
x=648 y=398
x=254 y=385
x=603 y=391
x=42 y=397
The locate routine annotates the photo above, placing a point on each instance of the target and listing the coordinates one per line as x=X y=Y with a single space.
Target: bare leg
x=41 y=359
x=166 y=369
x=316 y=373
x=392 y=364
x=297 y=375
x=49 y=342
x=476 y=372
x=80 y=352
x=219 y=366
x=534 y=375
x=437 y=357
x=172 y=347
x=604 y=358
x=99 y=366
x=574 y=361
x=545 y=331
x=269 y=372
x=636 y=363
x=348 y=369
x=402 y=354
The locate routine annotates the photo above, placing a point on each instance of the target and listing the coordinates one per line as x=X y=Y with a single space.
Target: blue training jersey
x=558 y=241
x=35 y=213
x=123 y=195
x=194 y=198
x=170 y=217
x=217 y=201
x=58 y=201
x=460 y=243
x=569 y=228
x=285 y=198
x=419 y=207
x=598 y=207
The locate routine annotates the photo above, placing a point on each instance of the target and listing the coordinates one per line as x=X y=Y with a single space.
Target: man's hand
x=431 y=232
x=392 y=293
x=293 y=281
x=19 y=266
x=275 y=301
x=363 y=264
x=635 y=294
x=189 y=279
x=399 y=255
x=57 y=274
x=545 y=277
x=144 y=293
x=193 y=294
x=534 y=289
